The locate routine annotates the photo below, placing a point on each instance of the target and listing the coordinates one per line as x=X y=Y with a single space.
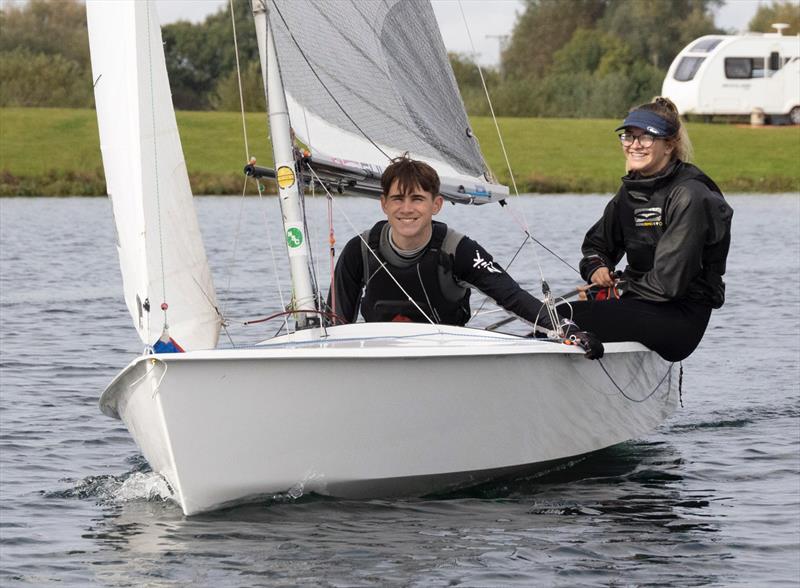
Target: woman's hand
x=602 y=277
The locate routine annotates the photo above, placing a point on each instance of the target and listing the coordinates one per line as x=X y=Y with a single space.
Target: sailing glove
x=587 y=341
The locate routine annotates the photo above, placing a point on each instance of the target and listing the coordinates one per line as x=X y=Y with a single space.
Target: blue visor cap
x=650 y=122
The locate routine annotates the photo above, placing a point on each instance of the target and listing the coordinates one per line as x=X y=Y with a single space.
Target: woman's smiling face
x=647 y=161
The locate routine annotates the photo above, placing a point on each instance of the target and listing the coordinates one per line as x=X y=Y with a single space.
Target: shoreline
x=71 y=185
x=56 y=151
x=273 y=194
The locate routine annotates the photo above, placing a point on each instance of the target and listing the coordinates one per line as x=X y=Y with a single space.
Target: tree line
x=564 y=58
x=597 y=58
x=44 y=58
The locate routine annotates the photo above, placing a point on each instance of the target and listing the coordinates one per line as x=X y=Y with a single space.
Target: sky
x=488 y=20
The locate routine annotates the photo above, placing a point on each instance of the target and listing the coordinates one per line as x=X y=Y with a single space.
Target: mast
x=286 y=173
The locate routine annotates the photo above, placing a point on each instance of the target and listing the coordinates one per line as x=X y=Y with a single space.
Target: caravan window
x=774 y=62
x=744 y=68
x=687 y=67
x=704 y=46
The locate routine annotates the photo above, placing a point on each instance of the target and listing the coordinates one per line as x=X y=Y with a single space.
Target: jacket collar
x=641 y=188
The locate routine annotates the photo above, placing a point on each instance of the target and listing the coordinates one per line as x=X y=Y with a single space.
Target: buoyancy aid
x=643 y=210
x=428 y=280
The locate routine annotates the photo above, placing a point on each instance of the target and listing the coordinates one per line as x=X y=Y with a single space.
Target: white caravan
x=736 y=74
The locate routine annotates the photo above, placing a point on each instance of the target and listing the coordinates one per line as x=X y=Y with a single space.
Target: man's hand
x=587 y=341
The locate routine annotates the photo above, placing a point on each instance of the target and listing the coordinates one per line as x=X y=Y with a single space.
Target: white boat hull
x=416 y=410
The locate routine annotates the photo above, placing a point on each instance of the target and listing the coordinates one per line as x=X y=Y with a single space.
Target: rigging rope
x=491 y=107
x=236 y=239
x=239 y=78
x=232 y=262
x=237 y=232
x=272 y=252
x=548 y=301
x=164 y=304
x=244 y=188
x=332 y=250
x=621 y=391
x=311 y=232
x=486 y=298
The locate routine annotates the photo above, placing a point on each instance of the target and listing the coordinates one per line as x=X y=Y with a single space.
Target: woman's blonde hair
x=666 y=109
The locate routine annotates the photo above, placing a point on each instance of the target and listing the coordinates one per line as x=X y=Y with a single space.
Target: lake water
x=711 y=498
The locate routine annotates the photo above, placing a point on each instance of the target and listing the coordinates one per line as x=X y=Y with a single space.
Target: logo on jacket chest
x=647 y=217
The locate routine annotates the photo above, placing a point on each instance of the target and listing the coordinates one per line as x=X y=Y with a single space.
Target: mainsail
x=375 y=84
x=158 y=238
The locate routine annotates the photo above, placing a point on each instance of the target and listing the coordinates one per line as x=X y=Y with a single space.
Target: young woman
x=673 y=223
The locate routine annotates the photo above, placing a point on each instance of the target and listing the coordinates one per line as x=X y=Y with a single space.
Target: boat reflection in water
x=577 y=518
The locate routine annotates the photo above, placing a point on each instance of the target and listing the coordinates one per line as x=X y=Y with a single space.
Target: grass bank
x=46 y=151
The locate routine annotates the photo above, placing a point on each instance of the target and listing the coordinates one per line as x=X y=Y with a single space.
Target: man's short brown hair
x=409 y=174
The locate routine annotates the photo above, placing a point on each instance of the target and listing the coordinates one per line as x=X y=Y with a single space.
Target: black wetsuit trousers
x=671 y=329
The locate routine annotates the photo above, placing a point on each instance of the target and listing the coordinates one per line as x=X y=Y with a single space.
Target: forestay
x=158 y=239
x=375 y=84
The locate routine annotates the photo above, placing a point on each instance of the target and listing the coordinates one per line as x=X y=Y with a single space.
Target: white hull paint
x=383 y=410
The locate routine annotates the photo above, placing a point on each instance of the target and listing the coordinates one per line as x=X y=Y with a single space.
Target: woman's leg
x=671 y=329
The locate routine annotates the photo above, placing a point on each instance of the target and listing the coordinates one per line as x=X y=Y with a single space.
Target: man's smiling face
x=410 y=214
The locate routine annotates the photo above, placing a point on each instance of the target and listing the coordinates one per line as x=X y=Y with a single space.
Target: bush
x=226 y=93
x=38 y=79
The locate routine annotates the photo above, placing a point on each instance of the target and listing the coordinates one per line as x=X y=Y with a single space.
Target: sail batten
x=161 y=253
x=376 y=85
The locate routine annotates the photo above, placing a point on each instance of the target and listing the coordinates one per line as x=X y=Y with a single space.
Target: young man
x=416 y=257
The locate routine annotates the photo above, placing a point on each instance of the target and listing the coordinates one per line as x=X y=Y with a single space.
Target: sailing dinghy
x=384 y=409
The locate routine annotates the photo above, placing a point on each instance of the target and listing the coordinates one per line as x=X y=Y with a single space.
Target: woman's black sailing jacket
x=675 y=230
